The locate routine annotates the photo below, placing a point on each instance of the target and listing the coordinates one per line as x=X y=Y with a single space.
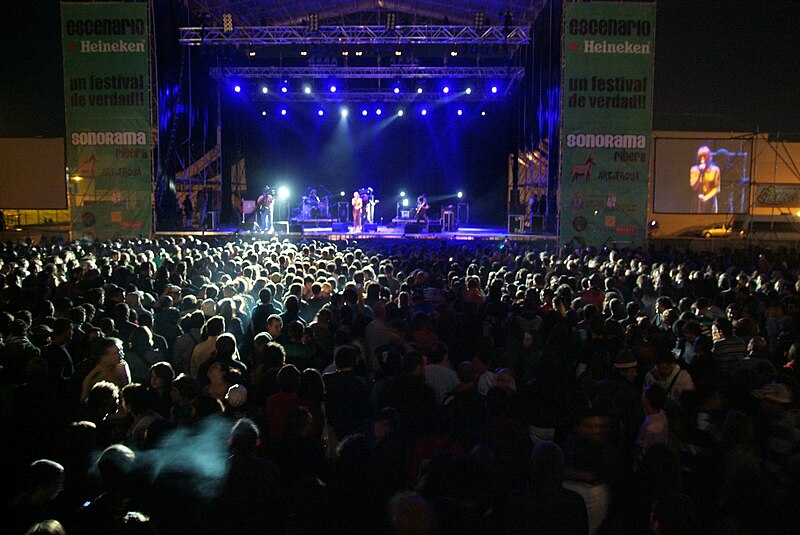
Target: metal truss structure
x=355 y=35
x=392 y=72
x=386 y=96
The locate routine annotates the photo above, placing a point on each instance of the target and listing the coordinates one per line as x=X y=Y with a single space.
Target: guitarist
x=264 y=210
x=422 y=209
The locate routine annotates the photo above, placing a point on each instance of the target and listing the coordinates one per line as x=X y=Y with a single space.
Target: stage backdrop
x=607 y=79
x=106 y=86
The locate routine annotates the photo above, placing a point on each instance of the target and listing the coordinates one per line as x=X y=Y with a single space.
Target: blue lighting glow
x=419 y=90
x=263 y=113
x=364 y=112
x=400 y=113
x=264 y=90
x=321 y=113
x=307 y=90
x=237 y=88
x=460 y=112
x=378 y=111
x=424 y=111
x=333 y=89
x=396 y=90
x=445 y=90
x=284 y=89
x=283 y=111
x=344 y=112
x=483 y=113
x=468 y=91
x=460 y=194
x=494 y=89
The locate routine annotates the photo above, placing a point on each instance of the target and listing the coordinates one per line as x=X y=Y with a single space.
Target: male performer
x=358 y=210
x=369 y=204
x=422 y=209
x=704 y=180
x=264 y=210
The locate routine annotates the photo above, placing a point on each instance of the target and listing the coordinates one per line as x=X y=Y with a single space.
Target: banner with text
x=106 y=92
x=607 y=87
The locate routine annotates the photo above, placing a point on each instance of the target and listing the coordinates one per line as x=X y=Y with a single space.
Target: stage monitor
x=702 y=176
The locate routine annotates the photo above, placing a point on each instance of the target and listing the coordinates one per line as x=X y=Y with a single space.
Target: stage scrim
x=607 y=87
x=106 y=93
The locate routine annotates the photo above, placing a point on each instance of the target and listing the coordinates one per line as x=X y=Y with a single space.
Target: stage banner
x=607 y=87
x=106 y=93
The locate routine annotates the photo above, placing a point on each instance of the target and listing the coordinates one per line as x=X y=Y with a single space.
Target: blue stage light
x=396 y=90
x=424 y=111
x=264 y=89
x=494 y=89
x=283 y=111
x=333 y=89
x=237 y=88
x=400 y=113
x=364 y=112
x=468 y=91
x=460 y=194
x=321 y=113
x=378 y=111
x=460 y=112
x=344 y=112
x=445 y=90
x=284 y=89
x=419 y=90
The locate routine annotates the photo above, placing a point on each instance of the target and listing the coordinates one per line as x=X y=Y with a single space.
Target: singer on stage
x=358 y=210
x=264 y=210
x=704 y=179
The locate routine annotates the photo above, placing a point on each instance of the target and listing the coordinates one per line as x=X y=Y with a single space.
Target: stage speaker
x=434 y=227
x=370 y=227
x=516 y=224
x=413 y=228
x=339 y=226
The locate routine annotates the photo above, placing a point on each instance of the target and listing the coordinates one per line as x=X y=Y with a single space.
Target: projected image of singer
x=705 y=181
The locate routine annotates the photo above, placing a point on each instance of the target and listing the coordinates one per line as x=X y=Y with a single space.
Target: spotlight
x=283 y=111
x=453 y=53
x=419 y=90
x=364 y=113
x=398 y=53
x=237 y=88
x=402 y=193
x=264 y=89
x=345 y=53
x=424 y=111
x=460 y=112
x=333 y=89
x=284 y=89
x=396 y=90
x=251 y=53
x=321 y=113
x=460 y=194
x=378 y=111
x=344 y=112
x=227 y=22
x=304 y=52
x=468 y=91
x=483 y=113
x=405 y=203
x=283 y=193
x=307 y=90
x=263 y=113
x=359 y=53
x=445 y=90
x=494 y=89
x=399 y=113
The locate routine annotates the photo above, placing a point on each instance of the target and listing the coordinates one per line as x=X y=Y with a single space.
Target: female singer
x=358 y=210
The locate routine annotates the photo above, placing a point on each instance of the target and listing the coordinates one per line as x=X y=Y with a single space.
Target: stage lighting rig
x=391 y=21
x=227 y=23
x=479 y=21
x=313 y=22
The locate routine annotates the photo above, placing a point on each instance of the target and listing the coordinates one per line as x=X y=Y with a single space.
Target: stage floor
x=383 y=232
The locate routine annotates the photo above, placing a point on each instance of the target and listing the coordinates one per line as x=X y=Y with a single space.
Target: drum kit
x=314 y=207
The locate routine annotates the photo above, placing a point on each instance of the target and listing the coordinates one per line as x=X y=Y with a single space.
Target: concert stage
x=382 y=232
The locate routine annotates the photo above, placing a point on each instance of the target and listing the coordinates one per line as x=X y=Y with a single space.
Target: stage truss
x=355 y=35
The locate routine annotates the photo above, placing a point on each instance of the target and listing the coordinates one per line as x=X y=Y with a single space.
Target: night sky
x=720 y=65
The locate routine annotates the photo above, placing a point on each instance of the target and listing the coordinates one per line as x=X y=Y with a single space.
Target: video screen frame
x=678 y=157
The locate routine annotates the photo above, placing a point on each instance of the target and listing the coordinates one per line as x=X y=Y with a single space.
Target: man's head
x=665 y=363
x=274 y=325
x=653 y=399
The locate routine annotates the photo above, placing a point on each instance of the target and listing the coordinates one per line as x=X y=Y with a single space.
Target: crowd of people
x=178 y=385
